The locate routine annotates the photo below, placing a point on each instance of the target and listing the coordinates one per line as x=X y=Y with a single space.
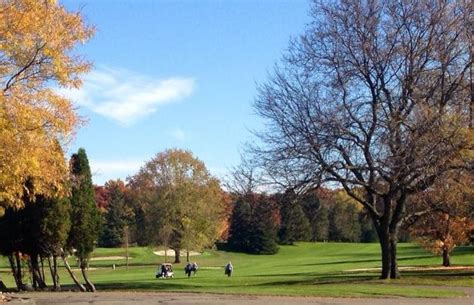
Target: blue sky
x=176 y=74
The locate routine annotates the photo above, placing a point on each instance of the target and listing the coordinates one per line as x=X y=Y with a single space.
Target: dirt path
x=149 y=298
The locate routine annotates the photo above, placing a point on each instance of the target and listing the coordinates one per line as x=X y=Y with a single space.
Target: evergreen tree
x=263 y=231
x=118 y=215
x=240 y=225
x=317 y=215
x=294 y=224
x=85 y=218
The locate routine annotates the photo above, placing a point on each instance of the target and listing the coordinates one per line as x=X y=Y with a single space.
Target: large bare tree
x=373 y=97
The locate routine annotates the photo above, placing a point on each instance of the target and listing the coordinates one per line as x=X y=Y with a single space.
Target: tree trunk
x=394 y=274
x=16 y=271
x=89 y=284
x=34 y=276
x=446 y=260
x=71 y=273
x=386 y=257
x=177 y=258
x=53 y=268
x=51 y=271
x=38 y=281
x=43 y=277
x=19 y=271
x=187 y=256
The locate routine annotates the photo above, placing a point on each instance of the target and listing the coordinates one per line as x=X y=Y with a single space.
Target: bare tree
x=244 y=179
x=373 y=97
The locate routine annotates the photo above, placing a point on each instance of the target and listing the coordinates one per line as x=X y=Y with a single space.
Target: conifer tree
x=294 y=223
x=263 y=231
x=118 y=215
x=239 y=232
x=85 y=219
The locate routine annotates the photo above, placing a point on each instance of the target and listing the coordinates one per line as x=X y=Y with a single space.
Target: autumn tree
x=36 y=43
x=117 y=216
x=344 y=218
x=374 y=97
x=443 y=216
x=179 y=196
x=85 y=218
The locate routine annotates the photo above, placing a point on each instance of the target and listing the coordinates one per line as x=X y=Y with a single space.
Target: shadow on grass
x=371 y=260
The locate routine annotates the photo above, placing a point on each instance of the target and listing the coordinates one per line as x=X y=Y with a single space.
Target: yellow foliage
x=36 y=40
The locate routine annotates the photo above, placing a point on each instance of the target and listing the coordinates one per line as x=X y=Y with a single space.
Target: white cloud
x=125 y=96
x=103 y=171
x=178 y=134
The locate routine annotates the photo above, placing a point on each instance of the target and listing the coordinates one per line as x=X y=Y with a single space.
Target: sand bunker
x=109 y=258
x=170 y=252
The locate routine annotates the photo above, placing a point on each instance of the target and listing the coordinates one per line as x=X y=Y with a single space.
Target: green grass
x=306 y=269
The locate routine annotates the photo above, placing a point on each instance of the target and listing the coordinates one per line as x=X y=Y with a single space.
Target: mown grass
x=305 y=269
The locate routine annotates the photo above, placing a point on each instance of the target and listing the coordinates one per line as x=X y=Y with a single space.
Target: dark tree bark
x=71 y=273
x=177 y=256
x=38 y=280
x=89 y=284
x=446 y=259
x=53 y=268
x=15 y=265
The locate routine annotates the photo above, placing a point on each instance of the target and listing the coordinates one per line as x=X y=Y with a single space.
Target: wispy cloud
x=178 y=134
x=125 y=96
x=113 y=169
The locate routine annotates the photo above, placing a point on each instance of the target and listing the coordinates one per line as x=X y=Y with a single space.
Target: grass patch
x=305 y=269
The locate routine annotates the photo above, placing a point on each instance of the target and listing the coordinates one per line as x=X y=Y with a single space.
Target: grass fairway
x=306 y=269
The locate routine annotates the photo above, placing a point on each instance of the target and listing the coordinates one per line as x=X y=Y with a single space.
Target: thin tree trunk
x=71 y=273
x=53 y=268
x=43 y=277
x=177 y=258
x=446 y=259
x=19 y=275
x=89 y=284
x=34 y=276
x=187 y=256
x=38 y=281
x=13 y=266
x=53 y=276
x=56 y=273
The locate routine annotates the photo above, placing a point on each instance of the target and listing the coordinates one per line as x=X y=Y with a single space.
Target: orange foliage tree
x=36 y=43
x=445 y=218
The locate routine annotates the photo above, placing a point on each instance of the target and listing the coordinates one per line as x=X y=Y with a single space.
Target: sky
x=176 y=74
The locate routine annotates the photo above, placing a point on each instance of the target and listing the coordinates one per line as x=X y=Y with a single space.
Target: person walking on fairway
x=228 y=269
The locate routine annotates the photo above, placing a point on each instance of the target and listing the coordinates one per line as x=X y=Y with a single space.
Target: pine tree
x=239 y=231
x=294 y=223
x=118 y=215
x=85 y=218
x=263 y=231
